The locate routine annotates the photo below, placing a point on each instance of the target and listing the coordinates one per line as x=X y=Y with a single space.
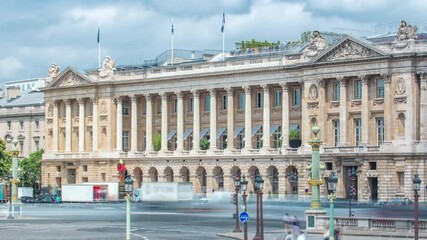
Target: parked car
x=27 y=199
x=46 y=200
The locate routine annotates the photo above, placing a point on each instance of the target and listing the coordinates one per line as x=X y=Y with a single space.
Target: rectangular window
x=278 y=98
x=90 y=141
x=84 y=168
x=336 y=131
x=277 y=138
x=240 y=140
x=372 y=165
x=358 y=131
x=380 y=88
x=258 y=137
x=125 y=141
x=224 y=102
x=259 y=100
x=37 y=144
x=9 y=125
x=191 y=105
x=90 y=109
x=297 y=97
x=159 y=105
x=125 y=110
x=358 y=89
x=85 y=179
x=380 y=130
x=144 y=107
x=21 y=125
x=58 y=168
x=401 y=182
x=144 y=140
x=336 y=91
x=37 y=123
x=223 y=141
x=207 y=103
x=175 y=105
x=241 y=100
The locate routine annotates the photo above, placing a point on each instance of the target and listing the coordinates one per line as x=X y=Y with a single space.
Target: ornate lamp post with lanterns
x=243 y=187
x=259 y=184
x=128 y=190
x=417 y=186
x=332 y=187
x=236 y=202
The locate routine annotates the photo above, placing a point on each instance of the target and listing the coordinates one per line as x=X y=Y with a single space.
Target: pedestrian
x=326 y=232
x=289 y=236
x=296 y=230
x=337 y=233
x=286 y=222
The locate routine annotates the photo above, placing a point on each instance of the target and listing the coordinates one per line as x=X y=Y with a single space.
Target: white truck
x=158 y=192
x=90 y=192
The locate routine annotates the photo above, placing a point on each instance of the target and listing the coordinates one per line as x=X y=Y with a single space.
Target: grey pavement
x=347 y=235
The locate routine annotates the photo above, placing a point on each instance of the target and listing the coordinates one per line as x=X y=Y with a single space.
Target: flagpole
x=99 y=50
x=172 y=45
x=223 y=35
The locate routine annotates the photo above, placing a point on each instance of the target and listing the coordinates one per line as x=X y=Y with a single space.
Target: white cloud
x=9 y=67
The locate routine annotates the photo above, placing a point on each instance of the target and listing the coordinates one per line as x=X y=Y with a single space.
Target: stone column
x=248 y=118
x=95 y=124
x=365 y=110
x=266 y=118
x=423 y=107
x=230 y=118
x=180 y=123
x=196 y=120
x=285 y=116
x=164 y=122
x=134 y=124
x=68 y=125
x=387 y=108
x=322 y=117
x=149 y=123
x=305 y=132
x=81 y=124
x=119 y=122
x=343 y=111
x=212 y=140
x=55 y=134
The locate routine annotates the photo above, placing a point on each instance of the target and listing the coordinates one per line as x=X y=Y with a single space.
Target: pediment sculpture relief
x=404 y=35
x=317 y=43
x=70 y=80
x=52 y=73
x=107 y=70
x=349 y=49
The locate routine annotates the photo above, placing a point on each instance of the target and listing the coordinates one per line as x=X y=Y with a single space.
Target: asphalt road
x=107 y=221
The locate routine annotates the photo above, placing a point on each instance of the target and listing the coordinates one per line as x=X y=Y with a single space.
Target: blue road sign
x=244 y=217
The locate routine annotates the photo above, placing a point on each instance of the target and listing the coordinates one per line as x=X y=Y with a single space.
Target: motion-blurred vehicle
x=46 y=200
x=27 y=199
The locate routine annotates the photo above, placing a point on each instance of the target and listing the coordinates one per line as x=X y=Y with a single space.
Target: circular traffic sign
x=244 y=217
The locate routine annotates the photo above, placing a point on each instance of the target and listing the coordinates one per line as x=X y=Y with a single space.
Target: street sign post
x=244 y=217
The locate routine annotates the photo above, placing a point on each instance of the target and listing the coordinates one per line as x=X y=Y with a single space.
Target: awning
x=295 y=126
x=237 y=131
x=255 y=129
x=220 y=132
x=203 y=132
x=187 y=133
x=171 y=134
x=274 y=128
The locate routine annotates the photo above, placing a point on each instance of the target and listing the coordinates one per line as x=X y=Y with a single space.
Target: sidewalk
x=347 y=235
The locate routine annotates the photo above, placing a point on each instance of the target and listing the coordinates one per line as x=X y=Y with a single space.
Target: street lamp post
x=128 y=190
x=9 y=185
x=259 y=184
x=332 y=187
x=352 y=175
x=15 y=180
x=243 y=187
x=417 y=185
x=237 y=185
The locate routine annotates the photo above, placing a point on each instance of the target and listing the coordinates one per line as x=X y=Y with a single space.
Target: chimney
x=13 y=92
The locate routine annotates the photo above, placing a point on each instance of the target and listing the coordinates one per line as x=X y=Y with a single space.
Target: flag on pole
x=223 y=22
x=98 y=36
x=172 y=27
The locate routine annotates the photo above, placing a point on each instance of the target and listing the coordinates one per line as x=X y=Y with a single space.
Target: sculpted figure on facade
x=404 y=35
x=317 y=43
x=400 y=86
x=53 y=72
x=312 y=92
x=107 y=70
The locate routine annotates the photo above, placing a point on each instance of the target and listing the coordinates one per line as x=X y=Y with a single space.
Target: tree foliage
x=31 y=168
x=204 y=144
x=157 y=142
x=5 y=160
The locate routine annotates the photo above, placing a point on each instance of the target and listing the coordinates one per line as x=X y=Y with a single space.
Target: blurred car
x=399 y=202
x=46 y=200
x=27 y=199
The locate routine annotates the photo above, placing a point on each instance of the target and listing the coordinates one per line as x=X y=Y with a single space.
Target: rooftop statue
x=405 y=33
x=53 y=72
x=317 y=43
x=107 y=70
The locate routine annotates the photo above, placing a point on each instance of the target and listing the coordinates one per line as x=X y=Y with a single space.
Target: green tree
x=157 y=142
x=5 y=160
x=204 y=144
x=31 y=169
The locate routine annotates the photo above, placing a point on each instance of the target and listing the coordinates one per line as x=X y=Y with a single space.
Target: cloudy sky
x=34 y=34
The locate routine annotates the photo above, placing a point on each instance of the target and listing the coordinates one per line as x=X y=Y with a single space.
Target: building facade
x=368 y=96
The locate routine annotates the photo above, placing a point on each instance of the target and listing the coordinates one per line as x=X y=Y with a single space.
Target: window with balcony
x=241 y=100
x=336 y=132
x=380 y=88
x=357 y=89
x=380 y=130
x=336 y=91
x=358 y=131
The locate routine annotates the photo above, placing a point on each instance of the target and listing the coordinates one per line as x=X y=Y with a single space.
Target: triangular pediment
x=69 y=77
x=348 y=48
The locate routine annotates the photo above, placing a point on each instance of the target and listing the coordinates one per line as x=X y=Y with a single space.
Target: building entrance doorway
x=373 y=185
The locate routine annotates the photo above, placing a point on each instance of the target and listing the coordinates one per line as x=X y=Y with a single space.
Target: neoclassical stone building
x=368 y=96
